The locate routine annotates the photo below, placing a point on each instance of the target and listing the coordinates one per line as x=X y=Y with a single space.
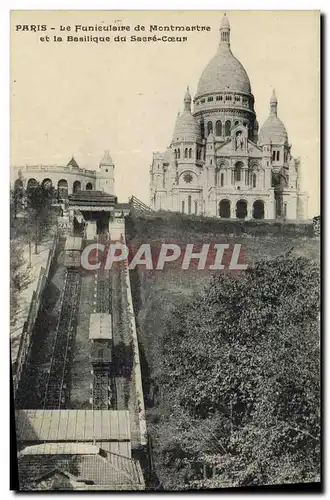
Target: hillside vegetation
x=231 y=361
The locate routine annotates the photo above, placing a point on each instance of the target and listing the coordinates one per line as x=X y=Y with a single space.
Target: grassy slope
x=155 y=293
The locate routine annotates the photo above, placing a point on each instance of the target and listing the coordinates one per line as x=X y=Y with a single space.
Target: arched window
x=47 y=184
x=62 y=189
x=209 y=128
x=89 y=186
x=241 y=209
x=224 y=209
x=32 y=183
x=227 y=128
x=278 y=156
x=238 y=171
x=182 y=206
x=218 y=128
x=189 y=204
x=190 y=152
x=202 y=130
x=178 y=154
x=258 y=209
x=254 y=180
x=76 y=186
x=236 y=122
x=198 y=154
x=222 y=179
x=186 y=153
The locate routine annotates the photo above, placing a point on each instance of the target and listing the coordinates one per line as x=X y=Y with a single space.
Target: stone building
x=67 y=179
x=218 y=162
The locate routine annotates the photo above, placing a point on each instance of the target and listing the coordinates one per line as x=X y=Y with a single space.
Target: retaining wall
x=28 y=327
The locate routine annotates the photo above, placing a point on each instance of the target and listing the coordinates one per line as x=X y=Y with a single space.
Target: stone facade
x=67 y=179
x=218 y=164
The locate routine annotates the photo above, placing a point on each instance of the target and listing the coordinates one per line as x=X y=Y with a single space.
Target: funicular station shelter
x=91 y=212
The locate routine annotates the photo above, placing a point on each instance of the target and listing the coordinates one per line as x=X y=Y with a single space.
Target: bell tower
x=105 y=175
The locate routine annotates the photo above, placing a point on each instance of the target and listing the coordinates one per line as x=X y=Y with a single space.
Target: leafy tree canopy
x=239 y=380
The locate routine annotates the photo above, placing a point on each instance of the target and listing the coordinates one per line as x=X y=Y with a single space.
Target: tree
x=239 y=379
x=39 y=207
x=19 y=277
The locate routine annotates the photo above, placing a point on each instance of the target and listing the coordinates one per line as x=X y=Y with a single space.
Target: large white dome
x=224 y=73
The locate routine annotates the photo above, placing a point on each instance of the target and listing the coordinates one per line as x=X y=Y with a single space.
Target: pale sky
x=83 y=98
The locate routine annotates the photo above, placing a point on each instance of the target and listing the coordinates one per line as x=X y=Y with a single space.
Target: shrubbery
x=238 y=381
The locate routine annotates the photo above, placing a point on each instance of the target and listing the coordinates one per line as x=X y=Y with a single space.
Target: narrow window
x=178 y=153
x=190 y=152
x=189 y=204
x=182 y=206
x=278 y=156
x=209 y=128
x=227 y=128
x=218 y=128
x=195 y=207
x=274 y=155
x=254 y=181
x=222 y=180
x=202 y=129
x=186 y=153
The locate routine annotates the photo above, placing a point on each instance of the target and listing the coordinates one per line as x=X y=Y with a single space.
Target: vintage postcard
x=165 y=249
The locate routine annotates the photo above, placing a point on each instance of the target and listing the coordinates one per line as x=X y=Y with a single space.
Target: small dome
x=186 y=127
x=273 y=131
x=168 y=156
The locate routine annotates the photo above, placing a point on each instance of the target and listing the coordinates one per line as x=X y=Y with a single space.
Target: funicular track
x=121 y=335
x=103 y=297
x=104 y=393
x=55 y=393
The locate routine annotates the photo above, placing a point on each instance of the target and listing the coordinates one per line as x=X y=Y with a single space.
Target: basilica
x=219 y=163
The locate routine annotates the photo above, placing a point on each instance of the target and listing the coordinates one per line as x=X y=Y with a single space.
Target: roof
x=186 y=127
x=100 y=326
x=224 y=73
x=168 y=156
x=89 y=198
x=106 y=160
x=91 y=194
x=60 y=449
x=273 y=130
x=78 y=471
x=73 y=243
x=73 y=163
x=72 y=425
